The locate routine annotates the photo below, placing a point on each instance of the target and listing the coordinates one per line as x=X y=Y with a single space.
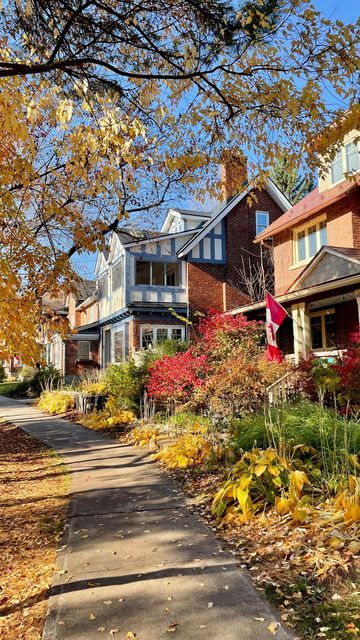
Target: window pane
x=119 y=350
x=117 y=276
x=337 y=168
x=352 y=157
x=142 y=272
x=176 y=334
x=103 y=286
x=323 y=233
x=301 y=246
x=161 y=334
x=330 y=330
x=312 y=240
x=83 y=350
x=316 y=334
x=147 y=338
x=262 y=221
x=172 y=274
x=157 y=273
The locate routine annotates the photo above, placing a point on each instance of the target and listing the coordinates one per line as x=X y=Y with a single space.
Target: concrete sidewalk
x=135 y=559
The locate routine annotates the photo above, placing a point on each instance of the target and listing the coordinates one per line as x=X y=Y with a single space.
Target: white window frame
x=114 y=332
x=155 y=327
x=305 y=227
x=258 y=224
x=83 y=342
x=344 y=168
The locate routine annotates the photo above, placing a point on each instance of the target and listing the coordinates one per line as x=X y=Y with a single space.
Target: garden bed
x=33 y=501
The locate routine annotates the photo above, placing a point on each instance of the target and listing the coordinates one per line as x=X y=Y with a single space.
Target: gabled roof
x=194 y=214
x=224 y=208
x=313 y=203
x=332 y=263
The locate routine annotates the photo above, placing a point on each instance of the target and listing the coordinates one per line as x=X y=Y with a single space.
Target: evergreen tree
x=290 y=181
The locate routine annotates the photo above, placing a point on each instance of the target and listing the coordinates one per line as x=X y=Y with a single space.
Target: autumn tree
x=290 y=181
x=111 y=109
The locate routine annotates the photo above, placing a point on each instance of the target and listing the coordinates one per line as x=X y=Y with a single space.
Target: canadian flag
x=275 y=316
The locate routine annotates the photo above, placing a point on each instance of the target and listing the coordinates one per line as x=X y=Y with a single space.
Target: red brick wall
x=72 y=367
x=347 y=322
x=343 y=230
x=206 y=289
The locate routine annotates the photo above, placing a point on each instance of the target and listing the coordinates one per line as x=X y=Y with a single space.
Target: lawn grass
x=34 y=488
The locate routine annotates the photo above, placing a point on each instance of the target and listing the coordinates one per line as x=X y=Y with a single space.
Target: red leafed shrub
x=176 y=377
x=348 y=368
x=221 y=334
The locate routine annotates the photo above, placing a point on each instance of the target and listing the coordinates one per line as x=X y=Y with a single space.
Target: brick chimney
x=233 y=173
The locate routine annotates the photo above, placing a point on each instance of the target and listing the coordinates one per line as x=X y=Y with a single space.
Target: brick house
x=190 y=265
x=316 y=246
x=80 y=351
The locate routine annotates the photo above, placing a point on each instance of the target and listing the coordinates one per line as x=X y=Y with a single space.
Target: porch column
x=301 y=330
x=357 y=295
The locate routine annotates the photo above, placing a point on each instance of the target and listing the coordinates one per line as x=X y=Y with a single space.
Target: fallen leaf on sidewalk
x=260 y=619
x=92 y=617
x=101 y=629
x=113 y=631
x=273 y=627
x=172 y=627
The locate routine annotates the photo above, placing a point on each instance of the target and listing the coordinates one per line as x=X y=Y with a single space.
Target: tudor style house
x=316 y=246
x=147 y=281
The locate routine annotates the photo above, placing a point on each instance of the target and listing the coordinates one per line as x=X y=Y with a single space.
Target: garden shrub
x=188 y=451
x=124 y=382
x=101 y=420
x=174 y=378
x=93 y=388
x=56 y=401
x=293 y=483
x=145 y=435
x=2 y=373
x=45 y=378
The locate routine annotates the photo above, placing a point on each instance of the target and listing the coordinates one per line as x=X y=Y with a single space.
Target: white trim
x=315 y=261
x=168 y=236
x=155 y=327
x=273 y=192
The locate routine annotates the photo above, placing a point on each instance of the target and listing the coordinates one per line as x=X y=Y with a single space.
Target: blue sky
x=346 y=10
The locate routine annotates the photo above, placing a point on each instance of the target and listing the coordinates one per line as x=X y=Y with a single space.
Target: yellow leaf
x=259 y=469
x=298 y=479
x=352 y=514
x=282 y=505
x=273 y=627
